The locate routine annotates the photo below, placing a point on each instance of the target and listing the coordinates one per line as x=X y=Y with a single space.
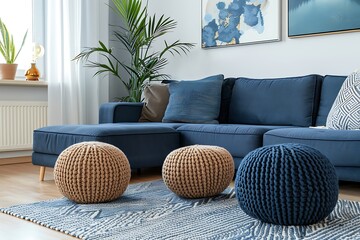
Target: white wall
x=104 y=33
x=116 y=87
x=331 y=54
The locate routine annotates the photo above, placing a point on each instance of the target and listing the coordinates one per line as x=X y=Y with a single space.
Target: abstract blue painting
x=232 y=22
x=308 y=17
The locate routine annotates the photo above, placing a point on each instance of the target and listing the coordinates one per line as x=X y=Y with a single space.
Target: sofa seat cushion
x=152 y=124
x=238 y=139
x=341 y=147
x=145 y=145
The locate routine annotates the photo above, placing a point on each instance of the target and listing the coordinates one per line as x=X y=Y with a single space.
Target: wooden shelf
x=23 y=83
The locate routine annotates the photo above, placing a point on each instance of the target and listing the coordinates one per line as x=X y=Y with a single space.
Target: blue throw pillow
x=194 y=101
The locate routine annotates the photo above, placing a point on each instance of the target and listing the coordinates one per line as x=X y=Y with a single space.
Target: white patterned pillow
x=345 y=111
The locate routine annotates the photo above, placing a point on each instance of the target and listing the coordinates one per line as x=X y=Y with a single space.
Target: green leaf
x=7 y=45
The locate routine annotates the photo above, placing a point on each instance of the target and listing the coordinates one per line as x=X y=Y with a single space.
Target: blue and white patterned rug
x=150 y=211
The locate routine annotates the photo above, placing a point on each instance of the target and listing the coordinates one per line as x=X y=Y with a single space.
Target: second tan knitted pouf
x=92 y=172
x=198 y=171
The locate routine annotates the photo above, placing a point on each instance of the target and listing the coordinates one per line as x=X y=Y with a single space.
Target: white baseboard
x=15 y=154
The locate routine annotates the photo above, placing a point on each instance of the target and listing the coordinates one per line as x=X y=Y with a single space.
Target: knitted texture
x=198 y=171
x=92 y=172
x=287 y=184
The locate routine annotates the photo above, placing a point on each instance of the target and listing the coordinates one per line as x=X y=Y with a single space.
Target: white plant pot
x=7 y=71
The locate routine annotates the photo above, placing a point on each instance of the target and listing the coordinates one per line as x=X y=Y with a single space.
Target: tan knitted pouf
x=198 y=171
x=92 y=172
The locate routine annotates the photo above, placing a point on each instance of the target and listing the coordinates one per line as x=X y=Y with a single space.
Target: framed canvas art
x=237 y=22
x=317 y=17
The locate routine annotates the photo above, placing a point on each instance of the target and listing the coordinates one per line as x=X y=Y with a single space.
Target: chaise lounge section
x=254 y=113
x=141 y=141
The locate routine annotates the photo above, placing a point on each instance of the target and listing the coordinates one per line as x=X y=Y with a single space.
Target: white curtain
x=74 y=95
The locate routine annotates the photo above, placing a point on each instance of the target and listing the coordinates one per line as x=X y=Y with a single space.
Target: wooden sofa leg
x=42 y=173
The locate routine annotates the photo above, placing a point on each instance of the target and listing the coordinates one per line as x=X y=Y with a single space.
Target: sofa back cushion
x=281 y=101
x=329 y=90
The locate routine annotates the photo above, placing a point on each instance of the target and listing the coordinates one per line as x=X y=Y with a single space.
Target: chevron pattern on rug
x=151 y=211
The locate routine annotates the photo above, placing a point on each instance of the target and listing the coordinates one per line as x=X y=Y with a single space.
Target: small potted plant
x=8 y=51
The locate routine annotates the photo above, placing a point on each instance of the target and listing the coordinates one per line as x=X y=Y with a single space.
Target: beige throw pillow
x=156 y=98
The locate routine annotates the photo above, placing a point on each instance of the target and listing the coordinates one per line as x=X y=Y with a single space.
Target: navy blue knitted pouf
x=287 y=184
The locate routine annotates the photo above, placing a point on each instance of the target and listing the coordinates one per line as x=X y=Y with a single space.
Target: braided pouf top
x=287 y=184
x=198 y=171
x=92 y=172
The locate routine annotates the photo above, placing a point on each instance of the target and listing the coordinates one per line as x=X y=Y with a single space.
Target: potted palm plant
x=8 y=51
x=138 y=35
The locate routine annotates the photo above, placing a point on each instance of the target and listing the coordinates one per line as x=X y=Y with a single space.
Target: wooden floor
x=19 y=184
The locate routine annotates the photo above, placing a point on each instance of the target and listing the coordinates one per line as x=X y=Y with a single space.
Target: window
x=28 y=17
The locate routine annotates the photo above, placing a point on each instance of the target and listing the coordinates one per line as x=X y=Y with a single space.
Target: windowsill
x=24 y=83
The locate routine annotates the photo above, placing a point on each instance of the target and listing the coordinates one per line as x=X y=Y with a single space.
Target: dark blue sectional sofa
x=253 y=113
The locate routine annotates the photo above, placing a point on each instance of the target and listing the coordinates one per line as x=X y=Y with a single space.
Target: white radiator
x=17 y=123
